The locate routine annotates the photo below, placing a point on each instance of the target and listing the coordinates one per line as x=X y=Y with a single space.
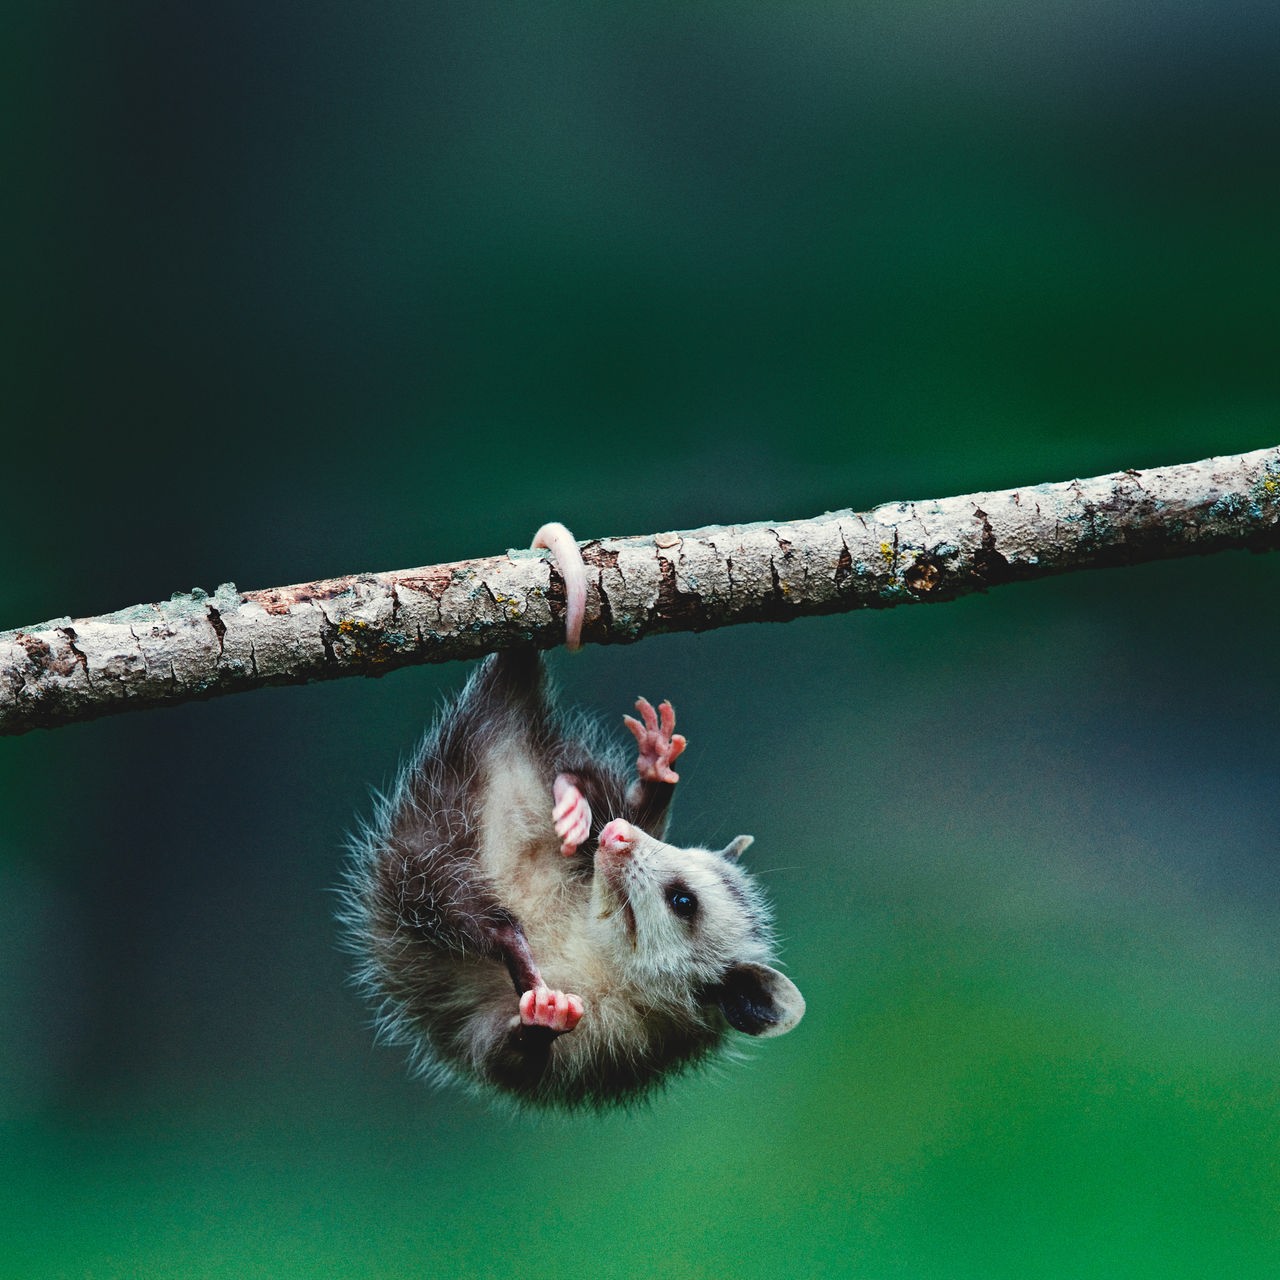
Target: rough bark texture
x=200 y=645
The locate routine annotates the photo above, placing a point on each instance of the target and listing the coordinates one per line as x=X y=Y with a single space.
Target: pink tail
x=554 y=537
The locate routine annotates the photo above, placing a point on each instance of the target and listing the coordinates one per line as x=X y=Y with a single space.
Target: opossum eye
x=683 y=901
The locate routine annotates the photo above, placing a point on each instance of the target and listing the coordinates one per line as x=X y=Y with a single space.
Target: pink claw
x=555 y=1010
x=571 y=814
x=659 y=746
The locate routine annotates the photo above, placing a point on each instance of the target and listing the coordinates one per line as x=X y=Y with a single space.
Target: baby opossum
x=514 y=863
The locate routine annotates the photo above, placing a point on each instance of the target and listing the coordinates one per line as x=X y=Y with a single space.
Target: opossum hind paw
x=555 y=1010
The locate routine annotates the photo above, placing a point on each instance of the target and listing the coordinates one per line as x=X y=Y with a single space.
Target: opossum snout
x=617 y=839
x=614 y=848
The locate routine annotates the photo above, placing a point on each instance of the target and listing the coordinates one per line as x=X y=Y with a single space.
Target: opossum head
x=689 y=927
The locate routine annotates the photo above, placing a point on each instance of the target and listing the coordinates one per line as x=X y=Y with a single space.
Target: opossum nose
x=617 y=839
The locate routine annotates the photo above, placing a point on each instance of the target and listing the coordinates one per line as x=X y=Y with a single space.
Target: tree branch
x=200 y=645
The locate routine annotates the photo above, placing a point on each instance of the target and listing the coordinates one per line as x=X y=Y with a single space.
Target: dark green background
x=297 y=290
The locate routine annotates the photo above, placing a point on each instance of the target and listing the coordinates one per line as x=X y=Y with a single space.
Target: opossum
x=522 y=926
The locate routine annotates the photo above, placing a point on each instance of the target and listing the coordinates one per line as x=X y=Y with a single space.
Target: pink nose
x=617 y=838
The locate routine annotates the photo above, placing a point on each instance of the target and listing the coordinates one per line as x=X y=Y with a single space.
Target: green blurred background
x=297 y=290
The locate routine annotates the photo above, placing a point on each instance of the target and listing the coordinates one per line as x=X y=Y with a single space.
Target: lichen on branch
x=197 y=645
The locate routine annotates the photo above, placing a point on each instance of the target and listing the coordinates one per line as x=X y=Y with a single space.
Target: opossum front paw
x=554 y=1010
x=571 y=814
x=658 y=745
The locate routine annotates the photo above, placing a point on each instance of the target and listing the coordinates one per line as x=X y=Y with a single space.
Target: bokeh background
x=301 y=289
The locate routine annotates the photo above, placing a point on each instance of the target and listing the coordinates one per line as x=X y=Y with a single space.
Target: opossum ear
x=760 y=1000
x=737 y=846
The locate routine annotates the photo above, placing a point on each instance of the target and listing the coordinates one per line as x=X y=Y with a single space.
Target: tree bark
x=200 y=645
